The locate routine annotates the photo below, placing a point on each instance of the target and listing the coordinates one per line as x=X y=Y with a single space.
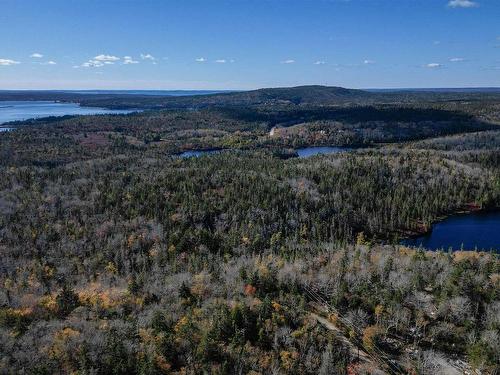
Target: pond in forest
x=301 y=152
x=476 y=230
x=197 y=153
x=311 y=151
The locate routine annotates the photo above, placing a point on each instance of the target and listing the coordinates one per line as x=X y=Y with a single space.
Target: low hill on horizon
x=316 y=95
x=313 y=94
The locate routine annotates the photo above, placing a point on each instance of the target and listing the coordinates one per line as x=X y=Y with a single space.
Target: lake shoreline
x=461 y=212
x=289 y=153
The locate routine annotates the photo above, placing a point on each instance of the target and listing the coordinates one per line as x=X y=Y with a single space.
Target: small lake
x=24 y=110
x=195 y=154
x=301 y=152
x=479 y=230
x=311 y=151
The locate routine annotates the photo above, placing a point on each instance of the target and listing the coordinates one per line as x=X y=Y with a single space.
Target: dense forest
x=118 y=256
x=301 y=96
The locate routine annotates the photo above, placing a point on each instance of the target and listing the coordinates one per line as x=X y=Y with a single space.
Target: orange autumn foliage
x=250 y=290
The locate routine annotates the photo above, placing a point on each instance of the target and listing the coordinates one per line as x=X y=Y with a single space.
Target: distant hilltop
x=296 y=96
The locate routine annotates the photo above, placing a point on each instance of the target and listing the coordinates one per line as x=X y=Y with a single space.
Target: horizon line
x=258 y=88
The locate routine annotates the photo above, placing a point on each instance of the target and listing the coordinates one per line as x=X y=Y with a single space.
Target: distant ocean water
x=149 y=92
x=23 y=110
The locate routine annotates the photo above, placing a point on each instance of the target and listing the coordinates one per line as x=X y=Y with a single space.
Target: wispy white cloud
x=106 y=58
x=436 y=42
x=221 y=61
x=147 y=56
x=457 y=59
x=462 y=4
x=49 y=63
x=319 y=62
x=368 y=62
x=201 y=59
x=92 y=64
x=433 y=65
x=100 y=61
x=8 y=62
x=36 y=55
x=289 y=61
x=129 y=60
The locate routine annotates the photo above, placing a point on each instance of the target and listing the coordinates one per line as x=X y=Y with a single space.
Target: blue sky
x=244 y=44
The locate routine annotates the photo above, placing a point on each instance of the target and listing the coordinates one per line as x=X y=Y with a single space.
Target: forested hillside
x=295 y=96
x=118 y=256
